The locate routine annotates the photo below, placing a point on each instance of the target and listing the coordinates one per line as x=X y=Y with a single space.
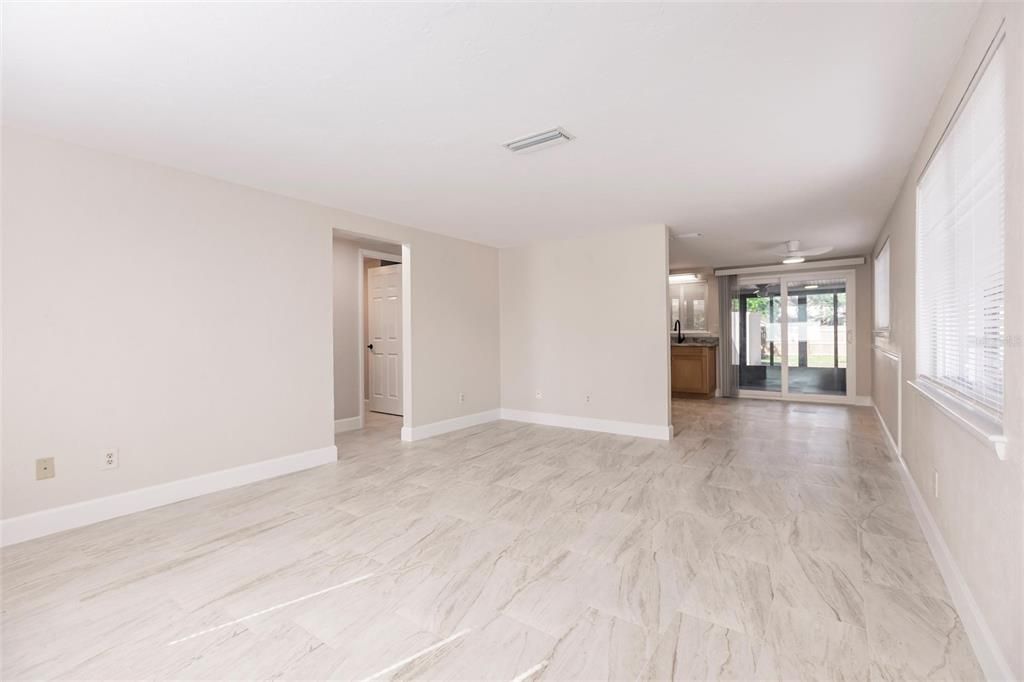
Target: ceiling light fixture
x=682 y=279
x=811 y=286
x=543 y=140
x=689 y=235
x=793 y=260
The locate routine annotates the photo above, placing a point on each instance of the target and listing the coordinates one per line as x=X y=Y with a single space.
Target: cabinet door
x=689 y=373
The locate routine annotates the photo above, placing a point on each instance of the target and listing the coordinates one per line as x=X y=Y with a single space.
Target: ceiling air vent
x=530 y=143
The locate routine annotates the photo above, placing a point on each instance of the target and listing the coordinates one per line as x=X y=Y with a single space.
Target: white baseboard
x=986 y=647
x=437 y=428
x=350 y=424
x=49 y=521
x=858 y=400
x=590 y=424
x=888 y=434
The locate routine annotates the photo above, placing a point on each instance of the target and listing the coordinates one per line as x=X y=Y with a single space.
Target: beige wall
x=346 y=273
x=885 y=389
x=865 y=325
x=187 y=321
x=587 y=316
x=981 y=504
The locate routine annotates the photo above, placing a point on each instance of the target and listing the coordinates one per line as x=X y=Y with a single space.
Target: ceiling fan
x=792 y=253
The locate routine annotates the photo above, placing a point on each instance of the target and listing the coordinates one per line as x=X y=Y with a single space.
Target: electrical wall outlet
x=540 y=395
x=586 y=399
x=109 y=460
x=45 y=468
x=462 y=397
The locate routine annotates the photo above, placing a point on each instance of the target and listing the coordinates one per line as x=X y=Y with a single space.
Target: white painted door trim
x=406 y=339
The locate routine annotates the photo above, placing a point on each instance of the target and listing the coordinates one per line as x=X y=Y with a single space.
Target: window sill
x=978 y=425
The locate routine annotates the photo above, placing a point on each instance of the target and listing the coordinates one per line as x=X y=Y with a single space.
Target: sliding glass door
x=792 y=335
x=757 y=311
x=817 y=337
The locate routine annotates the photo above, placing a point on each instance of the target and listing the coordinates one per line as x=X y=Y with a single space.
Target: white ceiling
x=750 y=123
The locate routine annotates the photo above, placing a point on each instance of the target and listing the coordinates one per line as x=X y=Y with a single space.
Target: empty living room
x=511 y=341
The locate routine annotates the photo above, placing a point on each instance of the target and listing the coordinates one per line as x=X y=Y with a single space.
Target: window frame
x=883 y=330
x=681 y=313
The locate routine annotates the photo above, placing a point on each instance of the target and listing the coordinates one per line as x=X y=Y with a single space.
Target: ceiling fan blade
x=811 y=252
x=801 y=252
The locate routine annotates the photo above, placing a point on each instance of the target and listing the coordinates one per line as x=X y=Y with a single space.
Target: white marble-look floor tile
x=903 y=564
x=913 y=636
x=766 y=541
x=694 y=649
x=800 y=646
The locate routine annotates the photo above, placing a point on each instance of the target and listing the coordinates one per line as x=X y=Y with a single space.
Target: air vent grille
x=537 y=141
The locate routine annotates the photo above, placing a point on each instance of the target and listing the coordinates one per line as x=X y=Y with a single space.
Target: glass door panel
x=816 y=334
x=757 y=335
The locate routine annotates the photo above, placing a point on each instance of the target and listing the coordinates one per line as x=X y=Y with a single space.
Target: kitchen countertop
x=706 y=341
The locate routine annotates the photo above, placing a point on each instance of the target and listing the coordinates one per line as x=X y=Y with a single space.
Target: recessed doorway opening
x=371 y=313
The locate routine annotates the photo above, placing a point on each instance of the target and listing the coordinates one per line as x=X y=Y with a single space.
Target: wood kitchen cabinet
x=694 y=371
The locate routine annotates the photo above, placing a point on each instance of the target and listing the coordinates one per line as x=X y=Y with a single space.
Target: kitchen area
x=694 y=334
x=787 y=335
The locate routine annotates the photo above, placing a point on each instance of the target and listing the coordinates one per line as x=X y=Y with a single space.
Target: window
x=882 y=290
x=961 y=201
x=689 y=304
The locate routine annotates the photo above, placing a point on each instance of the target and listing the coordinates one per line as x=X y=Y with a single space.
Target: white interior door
x=385 y=347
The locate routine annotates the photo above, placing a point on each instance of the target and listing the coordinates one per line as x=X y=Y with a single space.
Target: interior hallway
x=768 y=540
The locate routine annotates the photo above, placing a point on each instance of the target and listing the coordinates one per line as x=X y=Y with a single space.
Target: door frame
x=785 y=278
x=404 y=259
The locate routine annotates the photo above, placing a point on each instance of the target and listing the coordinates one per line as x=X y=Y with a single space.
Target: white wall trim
x=897 y=441
x=891 y=441
x=349 y=424
x=590 y=424
x=49 y=521
x=993 y=663
x=545 y=418
x=406 y=337
x=381 y=255
x=858 y=400
x=411 y=433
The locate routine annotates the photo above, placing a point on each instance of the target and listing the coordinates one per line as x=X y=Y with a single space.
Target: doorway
x=357 y=258
x=793 y=336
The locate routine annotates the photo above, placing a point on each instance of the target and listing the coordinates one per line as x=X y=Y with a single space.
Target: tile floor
x=767 y=541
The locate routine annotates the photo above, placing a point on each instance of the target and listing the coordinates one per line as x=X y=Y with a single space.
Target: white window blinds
x=961 y=199
x=882 y=288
